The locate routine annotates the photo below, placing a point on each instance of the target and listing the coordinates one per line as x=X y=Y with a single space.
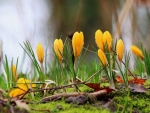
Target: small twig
x=60 y=87
x=12 y=109
x=2 y=91
x=128 y=69
x=94 y=75
x=89 y=50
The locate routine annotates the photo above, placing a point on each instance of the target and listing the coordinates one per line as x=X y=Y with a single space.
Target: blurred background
x=44 y=20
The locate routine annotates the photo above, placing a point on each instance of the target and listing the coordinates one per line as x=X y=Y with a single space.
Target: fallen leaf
x=21 y=104
x=95 y=86
x=119 y=79
x=138 y=81
x=137 y=88
x=134 y=80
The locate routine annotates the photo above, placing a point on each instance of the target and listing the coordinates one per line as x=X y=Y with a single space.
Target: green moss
x=139 y=101
x=62 y=107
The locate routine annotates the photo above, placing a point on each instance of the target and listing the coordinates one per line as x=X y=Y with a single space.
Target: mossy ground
x=132 y=101
x=121 y=99
x=62 y=107
x=136 y=103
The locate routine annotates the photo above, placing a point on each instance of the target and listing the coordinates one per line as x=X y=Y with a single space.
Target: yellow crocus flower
x=107 y=39
x=120 y=49
x=102 y=57
x=14 y=72
x=99 y=39
x=40 y=52
x=23 y=86
x=77 y=43
x=17 y=93
x=137 y=52
x=58 y=48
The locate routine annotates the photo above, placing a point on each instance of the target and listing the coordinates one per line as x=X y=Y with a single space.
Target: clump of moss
x=62 y=107
x=139 y=101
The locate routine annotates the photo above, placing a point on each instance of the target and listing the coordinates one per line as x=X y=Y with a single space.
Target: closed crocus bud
x=120 y=49
x=14 y=72
x=77 y=43
x=58 y=48
x=137 y=51
x=107 y=39
x=99 y=39
x=40 y=52
x=102 y=57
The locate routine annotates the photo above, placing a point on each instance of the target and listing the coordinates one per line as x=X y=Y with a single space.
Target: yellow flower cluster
x=77 y=44
x=103 y=40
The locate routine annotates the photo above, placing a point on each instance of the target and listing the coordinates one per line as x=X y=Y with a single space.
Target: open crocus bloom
x=23 y=86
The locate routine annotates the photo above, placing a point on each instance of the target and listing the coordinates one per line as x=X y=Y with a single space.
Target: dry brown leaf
x=137 y=88
x=21 y=104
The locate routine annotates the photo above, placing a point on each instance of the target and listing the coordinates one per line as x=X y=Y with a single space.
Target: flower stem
x=75 y=71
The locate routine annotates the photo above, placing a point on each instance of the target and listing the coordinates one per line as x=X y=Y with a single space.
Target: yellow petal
x=102 y=57
x=120 y=49
x=14 y=72
x=99 y=39
x=40 y=52
x=137 y=52
x=58 y=48
x=77 y=43
x=25 y=84
x=16 y=92
x=107 y=39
